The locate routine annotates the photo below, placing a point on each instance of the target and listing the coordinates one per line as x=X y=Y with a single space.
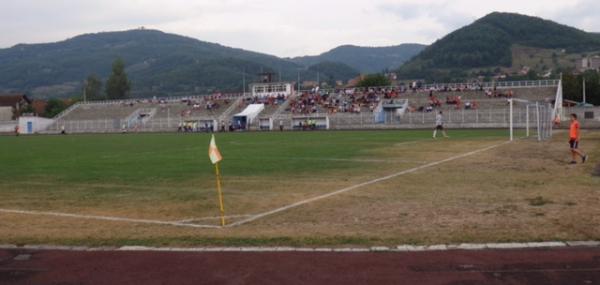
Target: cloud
x=580 y=14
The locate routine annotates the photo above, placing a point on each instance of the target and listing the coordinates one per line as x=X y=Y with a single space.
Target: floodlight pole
x=244 y=83
x=584 y=99
x=85 y=92
x=318 y=79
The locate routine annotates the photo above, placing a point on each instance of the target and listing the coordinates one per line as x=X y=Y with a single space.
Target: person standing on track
x=574 y=138
x=439 y=125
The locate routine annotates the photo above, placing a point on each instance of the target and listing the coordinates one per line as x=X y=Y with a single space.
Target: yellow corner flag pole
x=220 y=192
x=215 y=158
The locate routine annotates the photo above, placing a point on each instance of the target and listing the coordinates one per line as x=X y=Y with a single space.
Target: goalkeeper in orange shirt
x=574 y=138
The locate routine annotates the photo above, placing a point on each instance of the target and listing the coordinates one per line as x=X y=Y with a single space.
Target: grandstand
x=143 y=115
x=464 y=106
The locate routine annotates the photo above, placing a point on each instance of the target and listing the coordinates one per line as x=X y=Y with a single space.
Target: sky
x=284 y=28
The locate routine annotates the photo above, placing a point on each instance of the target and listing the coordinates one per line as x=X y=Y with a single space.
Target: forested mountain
x=159 y=63
x=156 y=62
x=488 y=43
x=366 y=59
x=329 y=71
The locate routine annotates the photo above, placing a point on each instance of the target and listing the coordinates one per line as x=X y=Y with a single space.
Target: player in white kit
x=439 y=125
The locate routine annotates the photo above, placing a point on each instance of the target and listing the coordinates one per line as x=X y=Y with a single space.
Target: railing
x=232 y=96
x=8 y=126
x=492 y=117
x=66 y=111
x=496 y=84
x=466 y=85
x=227 y=113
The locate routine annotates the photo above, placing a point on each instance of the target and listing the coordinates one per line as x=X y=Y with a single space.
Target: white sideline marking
x=212 y=218
x=398 y=249
x=106 y=218
x=355 y=160
x=348 y=189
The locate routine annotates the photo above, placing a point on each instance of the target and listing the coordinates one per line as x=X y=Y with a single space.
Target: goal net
x=530 y=119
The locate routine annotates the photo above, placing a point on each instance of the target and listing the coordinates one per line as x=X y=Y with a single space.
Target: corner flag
x=215 y=157
x=213 y=151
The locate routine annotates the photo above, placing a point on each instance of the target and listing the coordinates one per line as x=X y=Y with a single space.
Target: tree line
x=573 y=86
x=117 y=86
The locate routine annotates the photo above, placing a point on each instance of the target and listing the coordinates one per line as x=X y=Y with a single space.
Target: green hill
x=157 y=64
x=366 y=59
x=333 y=70
x=489 y=42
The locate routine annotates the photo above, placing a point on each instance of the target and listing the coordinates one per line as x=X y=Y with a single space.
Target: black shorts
x=574 y=144
x=439 y=127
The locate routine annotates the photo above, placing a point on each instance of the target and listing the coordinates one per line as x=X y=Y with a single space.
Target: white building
x=33 y=125
x=271 y=89
x=589 y=63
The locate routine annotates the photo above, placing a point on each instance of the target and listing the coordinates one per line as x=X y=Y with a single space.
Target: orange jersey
x=574 y=132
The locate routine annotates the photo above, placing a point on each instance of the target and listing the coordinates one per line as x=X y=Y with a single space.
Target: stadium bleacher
x=463 y=105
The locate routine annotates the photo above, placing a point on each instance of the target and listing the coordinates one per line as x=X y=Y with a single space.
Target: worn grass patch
x=539 y=201
x=523 y=191
x=596 y=171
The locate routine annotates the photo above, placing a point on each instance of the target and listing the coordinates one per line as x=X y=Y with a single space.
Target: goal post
x=558 y=114
x=532 y=119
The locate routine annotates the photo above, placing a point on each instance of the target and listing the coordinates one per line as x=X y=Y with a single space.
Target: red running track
x=540 y=266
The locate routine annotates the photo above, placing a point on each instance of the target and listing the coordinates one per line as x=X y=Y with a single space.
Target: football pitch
x=300 y=188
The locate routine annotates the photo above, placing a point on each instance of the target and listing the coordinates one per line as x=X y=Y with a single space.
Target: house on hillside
x=39 y=107
x=12 y=105
x=589 y=63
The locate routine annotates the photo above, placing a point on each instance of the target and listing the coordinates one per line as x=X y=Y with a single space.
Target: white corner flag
x=215 y=157
x=213 y=151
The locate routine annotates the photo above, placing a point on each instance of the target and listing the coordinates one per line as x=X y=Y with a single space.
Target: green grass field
x=168 y=177
x=158 y=158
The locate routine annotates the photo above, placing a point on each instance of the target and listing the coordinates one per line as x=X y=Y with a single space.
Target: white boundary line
x=106 y=218
x=400 y=248
x=251 y=217
x=348 y=189
x=211 y=218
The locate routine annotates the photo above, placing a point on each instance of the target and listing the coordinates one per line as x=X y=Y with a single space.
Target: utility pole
x=85 y=85
x=584 y=99
x=318 y=79
x=298 y=80
x=244 y=82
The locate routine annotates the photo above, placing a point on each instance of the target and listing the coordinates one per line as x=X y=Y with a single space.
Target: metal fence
x=7 y=126
x=493 y=117
x=496 y=117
